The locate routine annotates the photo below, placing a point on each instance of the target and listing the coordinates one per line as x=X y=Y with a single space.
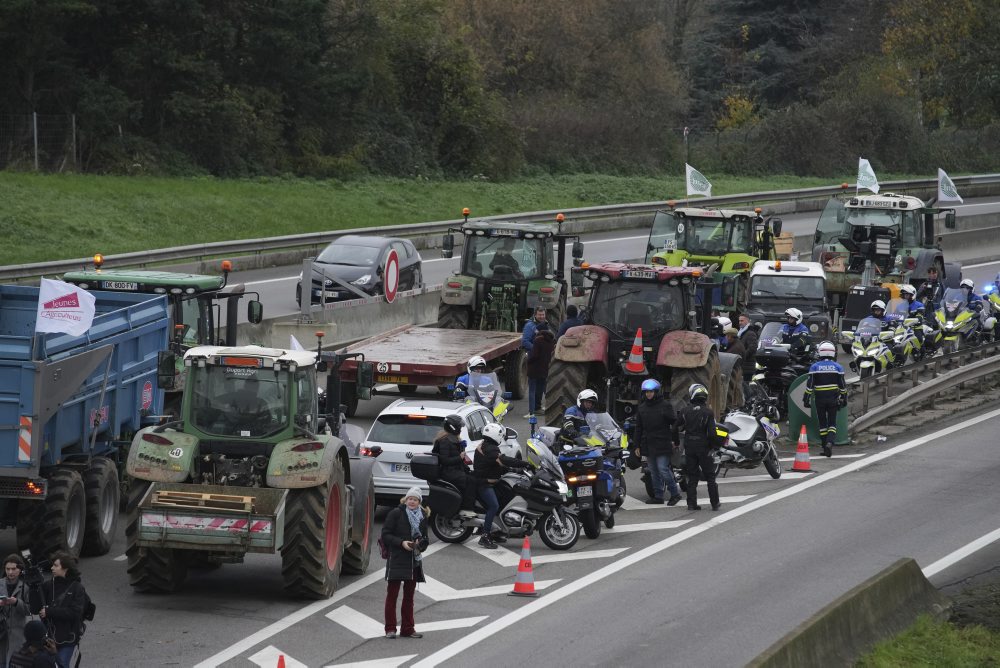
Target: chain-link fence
x=38 y=141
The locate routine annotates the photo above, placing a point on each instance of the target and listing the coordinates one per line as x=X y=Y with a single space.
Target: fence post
x=75 y=166
x=34 y=130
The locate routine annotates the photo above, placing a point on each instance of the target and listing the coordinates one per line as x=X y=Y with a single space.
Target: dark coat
x=396 y=529
x=489 y=463
x=569 y=323
x=540 y=355
x=750 y=339
x=64 y=601
x=654 y=424
x=698 y=425
x=736 y=347
x=449 y=451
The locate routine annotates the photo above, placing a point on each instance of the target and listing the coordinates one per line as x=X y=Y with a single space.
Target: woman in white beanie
x=404 y=533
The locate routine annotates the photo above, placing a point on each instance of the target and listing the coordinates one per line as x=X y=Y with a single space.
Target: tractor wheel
x=566 y=380
x=100 y=483
x=515 y=373
x=453 y=317
x=732 y=380
x=314 y=537
x=707 y=375
x=63 y=516
x=150 y=569
x=358 y=553
x=555 y=316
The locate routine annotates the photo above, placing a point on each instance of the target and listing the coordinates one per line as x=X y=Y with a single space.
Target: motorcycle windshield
x=953 y=302
x=484 y=388
x=603 y=425
x=897 y=310
x=770 y=335
x=869 y=327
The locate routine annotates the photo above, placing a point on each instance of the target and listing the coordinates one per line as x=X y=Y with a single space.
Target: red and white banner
x=226 y=524
x=64 y=308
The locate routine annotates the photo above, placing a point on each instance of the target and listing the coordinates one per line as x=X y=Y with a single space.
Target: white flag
x=947 y=192
x=64 y=308
x=697 y=184
x=866 y=176
x=295 y=343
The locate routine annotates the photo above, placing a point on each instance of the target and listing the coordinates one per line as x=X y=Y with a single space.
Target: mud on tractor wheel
x=149 y=569
x=566 y=380
x=708 y=375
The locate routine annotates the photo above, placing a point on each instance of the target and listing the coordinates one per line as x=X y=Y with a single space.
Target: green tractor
x=730 y=239
x=508 y=269
x=196 y=305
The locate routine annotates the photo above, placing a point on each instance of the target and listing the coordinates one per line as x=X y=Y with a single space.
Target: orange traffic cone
x=281 y=661
x=524 y=583
x=635 y=363
x=802 y=453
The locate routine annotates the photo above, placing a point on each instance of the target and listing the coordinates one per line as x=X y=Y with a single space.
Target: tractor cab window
x=699 y=236
x=839 y=221
x=238 y=401
x=507 y=258
x=187 y=313
x=623 y=307
x=306 y=403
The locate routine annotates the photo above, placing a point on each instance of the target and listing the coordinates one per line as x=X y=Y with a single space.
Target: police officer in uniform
x=794 y=332
x=826 y=384
x=698 y=424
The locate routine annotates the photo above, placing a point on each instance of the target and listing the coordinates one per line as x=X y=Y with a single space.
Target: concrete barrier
x=875 y=610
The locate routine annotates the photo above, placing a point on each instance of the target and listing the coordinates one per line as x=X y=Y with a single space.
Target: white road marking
x=981 y=264
x=268 y=658
x=961 y=553
x=766 y=477
x=851 y=456
x=388 y=662
x=508 y=558
x=121 y=557
x=636 y=504
x=439 y=591
x=622 y=564
x=646 y=526
x=369 y=628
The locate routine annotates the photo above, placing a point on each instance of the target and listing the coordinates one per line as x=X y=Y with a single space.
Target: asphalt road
x=668 y=586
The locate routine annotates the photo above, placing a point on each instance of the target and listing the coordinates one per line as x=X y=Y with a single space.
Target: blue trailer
x=67 y=403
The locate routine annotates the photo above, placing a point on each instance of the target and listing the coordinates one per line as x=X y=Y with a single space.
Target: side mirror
x=366 y=380
x=511 y=434
x=776 y=226
x=447 y=246
x=166 y=369
x=576 y=280
x=949 y=220
x=321 y=424
x=255 y=312
x=729 y=290
x=578 y=250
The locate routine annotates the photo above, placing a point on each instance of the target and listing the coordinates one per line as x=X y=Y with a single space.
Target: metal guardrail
x=914 y=389
x=317 y=240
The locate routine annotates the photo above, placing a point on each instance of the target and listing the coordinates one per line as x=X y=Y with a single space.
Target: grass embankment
x=52 y=217
x=937 y=645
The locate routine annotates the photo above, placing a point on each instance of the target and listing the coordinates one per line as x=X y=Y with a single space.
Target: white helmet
x=495 y=432
x=794 y=313
x=908 y=290
x=476 y=361
x=827 y=349
x=724 y=322
x=878 y=303
x=967 y=283
x=586 y=395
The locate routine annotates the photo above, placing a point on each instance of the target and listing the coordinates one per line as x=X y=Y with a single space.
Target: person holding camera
x=14 y=608
x=62 y=602
x=404 y=533
x=38 y=649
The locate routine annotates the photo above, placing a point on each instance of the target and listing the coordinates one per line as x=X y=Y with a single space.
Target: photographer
x=404 y=533
x=64 y=601
x=38 y=650
x=13 y=608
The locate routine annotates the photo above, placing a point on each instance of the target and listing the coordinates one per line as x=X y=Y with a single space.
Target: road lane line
x=390 y=662
x=268 y=657
x=621 y=565
x=632 y=503
x=121 y=557
x=961 y=553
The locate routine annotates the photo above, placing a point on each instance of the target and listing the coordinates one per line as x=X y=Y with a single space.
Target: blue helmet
x=650 y=385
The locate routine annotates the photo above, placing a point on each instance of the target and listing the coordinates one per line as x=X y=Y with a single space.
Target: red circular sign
x=390 y=276
x=147 y=395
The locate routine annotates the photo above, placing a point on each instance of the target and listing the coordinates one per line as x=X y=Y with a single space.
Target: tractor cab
x=732 y=239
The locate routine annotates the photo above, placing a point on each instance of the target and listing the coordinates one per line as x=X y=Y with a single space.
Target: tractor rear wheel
x=63 y=517
x=732 y=380
x=566 y=380
x=314 y=537
x=453 y=317
x=555 y=316
x=707 y=374
x=358 y=554
x=515 y=373
x=150 y=569
x=100 y=483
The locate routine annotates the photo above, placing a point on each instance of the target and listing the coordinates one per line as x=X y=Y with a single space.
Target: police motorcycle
x=778 y=366
x=531 y=498
x=958 y=324
x=991 y=306
x=757 y=402
x=869 y=347
x=905 y=343
x=593 y=460
x=749 y=442
x=484 y=388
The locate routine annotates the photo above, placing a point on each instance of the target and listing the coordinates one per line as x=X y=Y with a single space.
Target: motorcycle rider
x=488 y=465
x=698 y=424
x=476 y=365
x=909 y=293
x=654 y=424
x=723 y=323
x=575 y=417
x=794 y=332
x=826 y=384
x=450 y=451
x=973 y=301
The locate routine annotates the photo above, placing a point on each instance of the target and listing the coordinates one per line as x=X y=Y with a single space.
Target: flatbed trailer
x=410 y=357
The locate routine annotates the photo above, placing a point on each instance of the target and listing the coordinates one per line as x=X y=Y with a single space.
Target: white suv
x=408 y=427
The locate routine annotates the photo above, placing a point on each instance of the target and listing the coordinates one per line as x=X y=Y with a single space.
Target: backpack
x=89 y=608
x=383 y=549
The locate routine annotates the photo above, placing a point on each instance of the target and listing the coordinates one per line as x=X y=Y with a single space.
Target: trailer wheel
x=314 y=537
x=515 y=373
x=358 y=554
x=63 y=516
x=149 y=569
x=708 y=375
x=453 y=317
x=100 y=483
x=28 y=524
x=566 y=380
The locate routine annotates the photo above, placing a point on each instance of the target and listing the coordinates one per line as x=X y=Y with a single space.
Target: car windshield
x=406 y=429
x=506 y=258
x=868 y=327
x=238 y=400
x=349 y=255
x=484 y=388
x=624 y=306
x=787 y=285
x=699 y=236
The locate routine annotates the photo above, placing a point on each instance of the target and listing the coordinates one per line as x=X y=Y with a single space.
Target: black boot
x=692 y=496
x=713 y=494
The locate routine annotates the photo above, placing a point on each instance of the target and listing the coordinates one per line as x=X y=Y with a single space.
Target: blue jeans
x=660 y=473
x=489 y=498
x=64 y=654
x=536 y=390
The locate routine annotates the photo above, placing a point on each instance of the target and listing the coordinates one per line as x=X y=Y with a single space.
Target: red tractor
x=651 y=308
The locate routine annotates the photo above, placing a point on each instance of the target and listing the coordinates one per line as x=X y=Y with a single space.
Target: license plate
x=402 y=380
x=119 y=285
x=400 y=468
x=585 y=491
x=330 y=294
x=633 y=273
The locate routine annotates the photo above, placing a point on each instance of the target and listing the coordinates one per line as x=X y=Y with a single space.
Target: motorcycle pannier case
x=425 y=467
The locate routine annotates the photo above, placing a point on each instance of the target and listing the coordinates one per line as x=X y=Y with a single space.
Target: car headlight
x=364 y=280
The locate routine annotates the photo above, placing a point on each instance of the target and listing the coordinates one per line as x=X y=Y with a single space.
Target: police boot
x=827 y=451
x=713 y=494
x=692 y=493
